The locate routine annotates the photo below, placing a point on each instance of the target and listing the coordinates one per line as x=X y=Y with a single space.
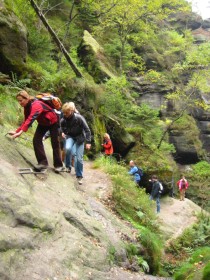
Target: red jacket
x=179 y=184
x=37 y=110
x=108 y=147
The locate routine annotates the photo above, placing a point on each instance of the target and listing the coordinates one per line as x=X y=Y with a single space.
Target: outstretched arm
x=16 y=134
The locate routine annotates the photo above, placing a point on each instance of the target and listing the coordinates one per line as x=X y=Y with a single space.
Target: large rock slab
x=152 y=94
x=94 y=60
x=49 y=227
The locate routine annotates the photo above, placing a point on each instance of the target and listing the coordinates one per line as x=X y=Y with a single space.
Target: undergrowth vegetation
x=199 y=177
x=197 y=267
x=129 y=201
x=193 y=237
x=11 y=113
x=133 y=204
x=190 y=251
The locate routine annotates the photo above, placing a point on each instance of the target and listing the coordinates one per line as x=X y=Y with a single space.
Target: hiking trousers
x=39 y=147
x=72 y=148
x=157 y=199
x=182 y=193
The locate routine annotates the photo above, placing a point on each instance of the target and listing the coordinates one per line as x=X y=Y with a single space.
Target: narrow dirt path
x=174 y=217
x=96 y=189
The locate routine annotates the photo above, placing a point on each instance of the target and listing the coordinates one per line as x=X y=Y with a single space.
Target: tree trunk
x=71 y=18
x=56 y=39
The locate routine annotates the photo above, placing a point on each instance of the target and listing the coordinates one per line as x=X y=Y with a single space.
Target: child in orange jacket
x=108 y=148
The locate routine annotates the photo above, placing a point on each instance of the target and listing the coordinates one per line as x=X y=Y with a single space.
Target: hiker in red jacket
x=183 y=185
x=108 y=148
x=47 y=120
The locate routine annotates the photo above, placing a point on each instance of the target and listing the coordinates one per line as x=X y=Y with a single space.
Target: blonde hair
x=69 y=106
x=106 y=135
x=24 y=94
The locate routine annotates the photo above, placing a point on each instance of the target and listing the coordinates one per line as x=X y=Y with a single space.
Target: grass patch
x=153 y=245
x=198 y=267
x=133 y=204
x=184 y=252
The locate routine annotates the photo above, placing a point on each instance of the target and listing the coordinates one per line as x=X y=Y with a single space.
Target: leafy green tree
x=125 y=17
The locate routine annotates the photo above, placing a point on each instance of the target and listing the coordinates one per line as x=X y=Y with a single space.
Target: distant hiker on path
x=134 y=171
x=47 y=120
x=156 y=191
x=107 y=144
x=76 y=131
x=183 y=185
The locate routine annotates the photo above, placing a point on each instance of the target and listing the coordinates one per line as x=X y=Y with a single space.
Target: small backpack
x=140 y=172
x=161 y=189
x=51 y=100
x=183 y=184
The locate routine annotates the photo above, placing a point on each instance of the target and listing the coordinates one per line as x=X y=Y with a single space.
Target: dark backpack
x=183 y=184
x=49 y=99
x=140 y=172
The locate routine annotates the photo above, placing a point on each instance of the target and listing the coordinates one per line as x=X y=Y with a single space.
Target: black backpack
x=140 y=171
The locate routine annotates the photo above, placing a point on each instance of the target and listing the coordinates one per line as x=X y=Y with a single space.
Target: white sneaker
x=59 y=169
x=80 y=181
x=40 y=167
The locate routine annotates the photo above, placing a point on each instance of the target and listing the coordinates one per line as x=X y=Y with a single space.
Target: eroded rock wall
x=13 y=42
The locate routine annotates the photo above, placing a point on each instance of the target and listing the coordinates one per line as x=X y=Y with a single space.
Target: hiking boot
x=68 y=169
x=59 y=169
x=40 y=167
x=79 y=179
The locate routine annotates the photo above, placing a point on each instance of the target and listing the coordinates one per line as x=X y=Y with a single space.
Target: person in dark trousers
x=60 y=138
x=134 y=171
x=76 y=131
x=47 y=120
x=155 y=192
x=107 y=145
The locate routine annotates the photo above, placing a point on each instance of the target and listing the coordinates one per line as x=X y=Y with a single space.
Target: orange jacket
x=108 y=147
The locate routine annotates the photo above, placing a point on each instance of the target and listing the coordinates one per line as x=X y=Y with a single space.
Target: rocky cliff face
x=13 y=42
x=202 y=32
x=187 y=148
x=150 y=93
x=187 y=151
x=203 y=121
x=94 y=60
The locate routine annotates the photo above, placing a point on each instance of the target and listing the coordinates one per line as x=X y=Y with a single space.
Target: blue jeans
x=157 y=202
x=73 y=148
x=71 y=155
